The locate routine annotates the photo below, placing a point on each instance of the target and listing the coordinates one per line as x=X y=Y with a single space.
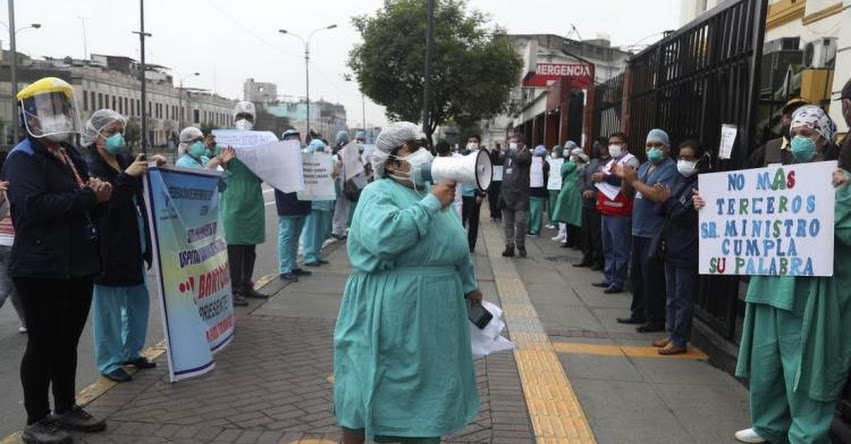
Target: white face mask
x=416 y=160
x=472 y=146
x=243 y=125
x=512 y=146
x=56 y=125
x=686 y=168
x=616 y=150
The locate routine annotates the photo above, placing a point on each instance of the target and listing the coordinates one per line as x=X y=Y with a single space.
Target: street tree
x=473 y=68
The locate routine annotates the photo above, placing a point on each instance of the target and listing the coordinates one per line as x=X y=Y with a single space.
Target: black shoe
x=288 y=276
x=323 y=262
x=78 y=419
x=602 y=284
x=45 y=431
x=521 y=251
x=613 y=290
x=254 y=294
x=300 y=272
x=142 y=363
x=509 y=251
x=582 y=264
x=118 y=375
x=312 y=264
x=630 y=320
x=239 y=300
x=597 y=267
x=651 y=327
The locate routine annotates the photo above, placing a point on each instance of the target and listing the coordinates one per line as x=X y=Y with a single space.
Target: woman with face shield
x=55 y=204
x=120 y=302
x=395 y=377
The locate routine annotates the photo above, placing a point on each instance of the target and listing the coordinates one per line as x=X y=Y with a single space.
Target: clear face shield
x=50 y=115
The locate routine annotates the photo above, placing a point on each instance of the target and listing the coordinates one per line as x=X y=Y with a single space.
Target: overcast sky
x=228 y=41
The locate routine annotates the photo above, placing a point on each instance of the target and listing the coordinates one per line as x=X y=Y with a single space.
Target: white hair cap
x=245 y=107
x=100 y=119
x=391 y=137
x=187 y=135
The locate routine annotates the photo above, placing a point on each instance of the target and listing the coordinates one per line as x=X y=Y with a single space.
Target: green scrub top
x=243 y=211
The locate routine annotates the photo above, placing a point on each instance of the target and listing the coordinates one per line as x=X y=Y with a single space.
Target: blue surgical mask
x=655 y=155
x=197 y=149
x=114 y=143
x=803 y=148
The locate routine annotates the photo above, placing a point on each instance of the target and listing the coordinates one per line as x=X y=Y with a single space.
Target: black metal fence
x=608 y=97
x=690 y=84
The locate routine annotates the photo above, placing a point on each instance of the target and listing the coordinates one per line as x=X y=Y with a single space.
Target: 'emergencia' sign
x=774 y=221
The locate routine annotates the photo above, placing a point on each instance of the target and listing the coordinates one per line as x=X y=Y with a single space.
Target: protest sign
x=191 y=261
x=277 y=163
x=536 y=173
x=352 y=163
x=318 y=184
x=554 y=180
x=498 y=171
x=775 y=221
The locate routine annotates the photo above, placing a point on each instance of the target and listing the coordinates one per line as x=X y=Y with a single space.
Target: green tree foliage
x=473 y=67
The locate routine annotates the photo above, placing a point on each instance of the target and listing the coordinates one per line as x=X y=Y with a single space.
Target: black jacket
x=51 y=214
x=120 y=246
x=288 y=204
x=681 y=227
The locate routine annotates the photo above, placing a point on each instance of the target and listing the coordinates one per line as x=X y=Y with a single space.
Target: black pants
x=56 y=312
x=493 y=200
x=241 y=259
x=470 y=217
x=648 y=283
x=592 y=240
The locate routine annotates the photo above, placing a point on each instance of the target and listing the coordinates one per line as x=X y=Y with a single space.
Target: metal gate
x=689 y=84
x=608 y=97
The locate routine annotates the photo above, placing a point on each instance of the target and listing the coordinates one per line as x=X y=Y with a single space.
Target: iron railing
x=608 y=98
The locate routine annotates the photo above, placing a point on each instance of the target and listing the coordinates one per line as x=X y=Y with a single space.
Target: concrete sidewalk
x=578 y=376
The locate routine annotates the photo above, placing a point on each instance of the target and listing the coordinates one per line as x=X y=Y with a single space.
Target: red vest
x=621 y=205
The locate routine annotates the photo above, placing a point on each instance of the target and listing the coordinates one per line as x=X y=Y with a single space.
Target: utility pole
x=142 y=70
x=427 y=73
x=14 y=71
x=85 y=39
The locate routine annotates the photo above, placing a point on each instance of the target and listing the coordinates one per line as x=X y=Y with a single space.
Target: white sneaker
x=22 y=330
x=551 y=227
x=749 y=436
x=558 y=238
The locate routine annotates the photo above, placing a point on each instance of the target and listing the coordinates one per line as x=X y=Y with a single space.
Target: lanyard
x=63 y=157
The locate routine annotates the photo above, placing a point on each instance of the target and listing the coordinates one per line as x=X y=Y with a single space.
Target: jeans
x=470 y=217
x=681 y=285
x=7 y=287
x=617 y=235
x=514 y=227
x=289 y=230
x=119 y=324
x=493 y=200
x=648 y=283
x=241 y=259
x=56 y=312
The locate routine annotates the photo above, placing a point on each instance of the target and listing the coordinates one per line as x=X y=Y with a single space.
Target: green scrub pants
x=551 y=206
x=536 y=214
x=780 y=414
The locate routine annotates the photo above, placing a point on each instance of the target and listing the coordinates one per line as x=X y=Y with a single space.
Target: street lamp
x=348 y=78
x=13 y=66
x=182 y=111
x=307 y=66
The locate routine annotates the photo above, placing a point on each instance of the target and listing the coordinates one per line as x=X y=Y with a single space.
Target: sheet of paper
x=318 y=184
x=497 y=173
x=554 y=179
x=536 y=173
x=608 y=189
x=728 y=140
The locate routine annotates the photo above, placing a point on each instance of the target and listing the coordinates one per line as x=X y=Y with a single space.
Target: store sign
x=547 y=73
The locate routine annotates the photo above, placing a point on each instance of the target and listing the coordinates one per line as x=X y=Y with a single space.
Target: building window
x=120 y=106
x=196 y=114
x=85 y=101
x=100 y=100
x=113 y=103
x=92 y=99
x=126 y=108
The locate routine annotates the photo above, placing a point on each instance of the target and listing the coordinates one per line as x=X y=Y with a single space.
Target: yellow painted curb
x=635 y=351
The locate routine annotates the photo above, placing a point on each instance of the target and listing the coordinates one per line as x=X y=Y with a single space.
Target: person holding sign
x=568 y=209
x=318 y=222
x=243 y=215
x=796 y=345
x=538 y=176
x=403 y=365
x=555 y=159
x=120 y=301
x=648 y=270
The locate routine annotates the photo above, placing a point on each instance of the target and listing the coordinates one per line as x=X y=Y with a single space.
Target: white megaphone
x=473 y=169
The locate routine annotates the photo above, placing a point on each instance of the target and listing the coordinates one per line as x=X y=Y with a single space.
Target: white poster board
x=554 y=180
x=775 y=221
x=277 y=163
x=536 y=173
x=498 y=171
x=318 y=183
x=352 y=163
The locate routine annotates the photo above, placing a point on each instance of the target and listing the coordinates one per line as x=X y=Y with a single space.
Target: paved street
x=577 y=377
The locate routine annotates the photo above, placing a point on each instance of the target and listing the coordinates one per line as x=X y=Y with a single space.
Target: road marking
x=553 y=407
x=624 y=350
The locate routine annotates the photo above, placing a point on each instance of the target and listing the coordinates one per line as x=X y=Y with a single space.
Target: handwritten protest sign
x=775 y=221
x=318 y=184
x=277 y=163
x=554 y=179
x=352 y=163
x=191 y=260
x=536 y=173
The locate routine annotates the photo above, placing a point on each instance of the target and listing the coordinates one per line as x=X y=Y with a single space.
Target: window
x=150 y=109
x=120 y=106
x=92 y=99
x=138 y=107
x=113 y=103
x=126 y=108
x=196 y=114
x=85 y=101
x=100 y=100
